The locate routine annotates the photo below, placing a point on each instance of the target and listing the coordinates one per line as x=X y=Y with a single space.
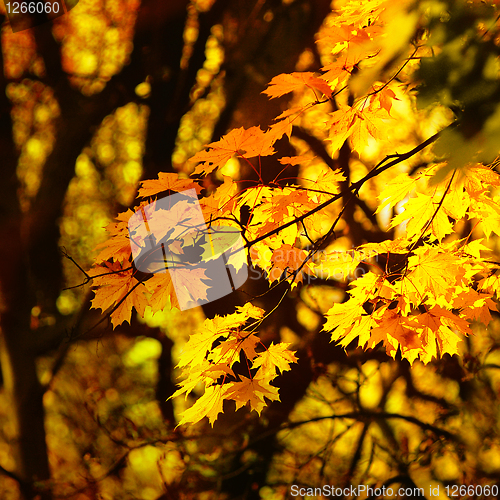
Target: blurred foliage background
x=119 y=90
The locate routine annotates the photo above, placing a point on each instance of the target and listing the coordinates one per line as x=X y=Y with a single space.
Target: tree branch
x=364 y=416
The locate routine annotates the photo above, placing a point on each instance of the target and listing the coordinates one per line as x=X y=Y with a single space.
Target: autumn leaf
x=117 y=246
x=200 y=343
x=340 y=318
x=178 y=223
x=286 y=83
x=395 y=191
x=368 y=122
x=487 y=212
x=349 y=319
x=436 y=327
x=478 y=178
x=252 y=391
x=117 y=288
x=243 y=142
x=418 y=213
x=236 y=343
x=167 y=182
x=340 y=126
x=290 y=260
x=327 y=182
x=162 y=291
x=435 y=272
x=205 y=371
x=209 y=405
x=475 y=306
x=277 y=357
x=201 y=361
x=340 y=70
x=360 y=330
x=396 y=331
x=385 y=97
x=195 y=350
x=278 y=129
x=491 y=284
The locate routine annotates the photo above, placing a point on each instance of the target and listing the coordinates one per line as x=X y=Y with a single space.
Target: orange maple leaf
x=358 y=124
x=290 y=259
x=167 y=182
x=341 y=69
x=286 y=83
x=251 y=391
x=162 y=292
x=244 y=142
x=396 y=331
x=117 y=246
x=435 y=325
x=117 y=288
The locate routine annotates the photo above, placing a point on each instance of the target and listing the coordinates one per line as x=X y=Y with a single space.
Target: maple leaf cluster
x=420 y=308
x=215 y=366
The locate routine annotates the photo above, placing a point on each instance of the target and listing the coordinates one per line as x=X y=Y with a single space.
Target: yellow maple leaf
x=368 y=122
x=277 y=357
x=417 y=214
x=491 y=284
x=361 y=329
x=340 y=126
x=435 y=272
x=457 y=200
x=478 y=179
x=296 y=160
x=219 y=328
x=487 y=211
x=409 y=293
x=358 y=124
x=205 y=371
x=474 y=305
x=395 y=191
x=397 y=245
x=278 y=129
x=328 y=181
x=209 y=405
x=340 y=318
